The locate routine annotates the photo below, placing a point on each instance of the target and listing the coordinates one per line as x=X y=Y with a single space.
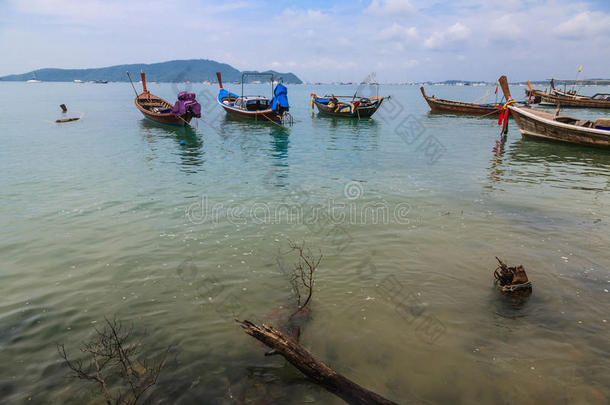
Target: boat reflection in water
x=554 y=164
x=190 y=145
x=355 y=135
x=496 y=169
x=255 y=139
x=277 y=174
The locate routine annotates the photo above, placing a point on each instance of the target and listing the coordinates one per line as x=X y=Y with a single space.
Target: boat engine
x=187 y=104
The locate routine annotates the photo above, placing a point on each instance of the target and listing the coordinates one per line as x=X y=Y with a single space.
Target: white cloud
x=398 y=32
x=441 y=39
x=583 y=25
x=321 y=43
x=390 y=7
x=296 y=16
x=458 y=31
x=504 y=27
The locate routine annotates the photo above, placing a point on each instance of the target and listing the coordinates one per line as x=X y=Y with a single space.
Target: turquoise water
x=177 y=231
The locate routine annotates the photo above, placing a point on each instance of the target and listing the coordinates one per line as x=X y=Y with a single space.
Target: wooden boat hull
x=457 y=107
x=265 y=115
x=572 y=101
x=262 y=115
x=146 y=101
x=542 y=125
x=533 y=95
x=359 y=112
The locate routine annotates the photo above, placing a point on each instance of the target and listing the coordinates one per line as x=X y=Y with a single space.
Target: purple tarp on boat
x=186 y=100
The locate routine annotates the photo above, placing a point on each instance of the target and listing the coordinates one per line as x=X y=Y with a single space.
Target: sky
x=398 y=40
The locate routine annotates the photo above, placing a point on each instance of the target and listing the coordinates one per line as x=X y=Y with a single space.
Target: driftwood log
x=313 y=368
x=68 y=120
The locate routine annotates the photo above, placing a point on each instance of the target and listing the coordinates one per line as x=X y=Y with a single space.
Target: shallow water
x=177 y=231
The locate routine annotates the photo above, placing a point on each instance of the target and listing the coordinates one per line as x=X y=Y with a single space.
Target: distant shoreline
x=175 y=71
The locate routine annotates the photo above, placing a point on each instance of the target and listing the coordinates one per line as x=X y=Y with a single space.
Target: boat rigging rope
x=270 y=120
x=483 y=97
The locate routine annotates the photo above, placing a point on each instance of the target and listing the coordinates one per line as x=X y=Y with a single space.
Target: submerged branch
x=318 y=371
x=111 y=355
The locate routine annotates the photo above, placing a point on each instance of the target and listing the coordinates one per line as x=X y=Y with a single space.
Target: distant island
x=175 y=71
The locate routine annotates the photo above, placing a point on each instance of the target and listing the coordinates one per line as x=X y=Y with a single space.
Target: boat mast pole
x=131 y=81
x=143 y=76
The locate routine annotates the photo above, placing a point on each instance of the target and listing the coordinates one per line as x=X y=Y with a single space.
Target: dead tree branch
x=303 y=276
x=287 y=343
x=313 y=368
x=114 y=353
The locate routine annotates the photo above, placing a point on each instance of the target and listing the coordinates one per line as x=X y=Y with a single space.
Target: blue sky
x=399 y=40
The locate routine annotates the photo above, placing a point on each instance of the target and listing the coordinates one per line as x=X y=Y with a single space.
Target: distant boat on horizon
x=33 y=79
x=78 y=81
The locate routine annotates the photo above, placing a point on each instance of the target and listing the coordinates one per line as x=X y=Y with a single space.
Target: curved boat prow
x=143 y=76
x=162 y=111
x=505 y=89
x=219 y=79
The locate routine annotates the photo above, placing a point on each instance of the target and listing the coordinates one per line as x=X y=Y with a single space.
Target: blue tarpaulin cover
x=224 y=93
x=280 y=98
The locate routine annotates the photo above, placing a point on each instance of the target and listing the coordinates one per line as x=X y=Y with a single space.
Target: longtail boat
x=346 y=106
x=533 y=95
x=162 y=111
x=256 y=108
x=568 y=99
x=562 y=93
x=552 y=127
x=458 y=107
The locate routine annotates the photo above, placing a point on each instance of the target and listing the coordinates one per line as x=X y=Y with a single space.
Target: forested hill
x=195 y=70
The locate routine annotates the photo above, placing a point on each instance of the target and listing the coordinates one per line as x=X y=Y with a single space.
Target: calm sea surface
x=178 y=231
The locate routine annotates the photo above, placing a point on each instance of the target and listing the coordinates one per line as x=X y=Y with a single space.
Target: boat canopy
x=601 y=96
x=280 y=98
x=225 y=93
